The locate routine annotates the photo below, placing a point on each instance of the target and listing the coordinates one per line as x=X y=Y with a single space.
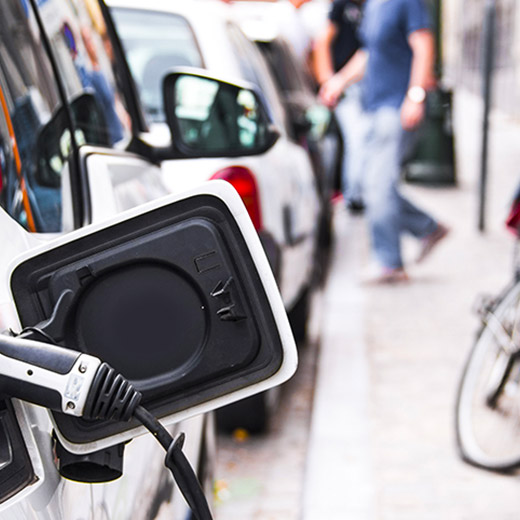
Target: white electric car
x=96 y=264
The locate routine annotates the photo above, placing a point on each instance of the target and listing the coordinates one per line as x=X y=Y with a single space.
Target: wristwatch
x=416 y=94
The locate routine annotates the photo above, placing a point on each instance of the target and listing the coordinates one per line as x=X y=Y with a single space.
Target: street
x=375 y=439
x=138 y=296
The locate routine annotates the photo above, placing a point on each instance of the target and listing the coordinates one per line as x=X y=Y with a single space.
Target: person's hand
x=331 y=91
x=412 y=114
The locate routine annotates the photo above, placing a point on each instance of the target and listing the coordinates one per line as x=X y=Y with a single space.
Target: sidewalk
x=382 y=437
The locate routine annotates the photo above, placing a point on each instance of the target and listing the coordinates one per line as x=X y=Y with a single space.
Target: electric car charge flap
x=176 y=295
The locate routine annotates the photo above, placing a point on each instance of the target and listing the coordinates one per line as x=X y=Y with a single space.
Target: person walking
x=396 y=64
x=332 y=50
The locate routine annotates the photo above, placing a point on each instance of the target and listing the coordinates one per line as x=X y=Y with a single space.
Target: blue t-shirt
x=384 y=32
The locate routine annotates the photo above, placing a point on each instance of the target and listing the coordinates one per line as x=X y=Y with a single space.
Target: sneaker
x=356 y=206
x=429 y=242
x=386 y=276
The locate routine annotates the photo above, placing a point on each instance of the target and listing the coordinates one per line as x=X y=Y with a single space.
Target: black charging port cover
x=170 y=298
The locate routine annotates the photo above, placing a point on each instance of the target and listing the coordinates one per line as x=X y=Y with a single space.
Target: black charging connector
x=81 y=385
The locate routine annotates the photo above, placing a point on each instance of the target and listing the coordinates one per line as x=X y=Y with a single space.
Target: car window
x=282 y=60
x=154 y=43
x=255 y=70
x=82 y=48
x=29 y=99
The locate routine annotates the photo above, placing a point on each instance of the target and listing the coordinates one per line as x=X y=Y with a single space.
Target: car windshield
x=154 y=43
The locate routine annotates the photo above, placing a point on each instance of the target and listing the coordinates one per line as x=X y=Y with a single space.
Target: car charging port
x=101 y=466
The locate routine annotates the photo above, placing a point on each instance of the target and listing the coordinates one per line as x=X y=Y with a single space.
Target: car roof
x=190 y=9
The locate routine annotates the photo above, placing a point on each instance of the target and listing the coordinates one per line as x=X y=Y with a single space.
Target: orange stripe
x=18 y=162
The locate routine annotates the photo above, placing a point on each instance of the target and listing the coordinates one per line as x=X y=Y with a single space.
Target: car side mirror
x=209 y=117
x=177 y=295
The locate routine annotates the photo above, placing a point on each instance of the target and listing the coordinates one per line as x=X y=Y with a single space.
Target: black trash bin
x=432 y=158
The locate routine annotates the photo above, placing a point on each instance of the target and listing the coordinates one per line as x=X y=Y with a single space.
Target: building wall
x=463 y=29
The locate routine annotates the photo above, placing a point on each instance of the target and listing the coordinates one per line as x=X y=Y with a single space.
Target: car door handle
x=291 y=238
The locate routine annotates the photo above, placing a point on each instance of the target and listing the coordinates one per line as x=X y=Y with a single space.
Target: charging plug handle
x=78 y=384
x=111 y=396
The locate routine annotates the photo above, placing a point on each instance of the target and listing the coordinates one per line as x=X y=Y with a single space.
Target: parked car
x=278 y=186
x=158 y=35
x=311 y=123
x=96 y=260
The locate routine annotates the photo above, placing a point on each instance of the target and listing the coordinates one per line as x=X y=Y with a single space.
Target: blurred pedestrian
x=396 y=63
x=332 y=50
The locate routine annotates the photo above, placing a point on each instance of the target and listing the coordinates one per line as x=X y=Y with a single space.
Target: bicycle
x=487 y=413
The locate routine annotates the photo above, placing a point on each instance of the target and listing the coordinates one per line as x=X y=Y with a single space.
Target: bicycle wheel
x=488 y=398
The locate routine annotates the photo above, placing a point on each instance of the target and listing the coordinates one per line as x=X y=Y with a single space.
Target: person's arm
x=422 y=43
x=350 y=73
x=323 y=66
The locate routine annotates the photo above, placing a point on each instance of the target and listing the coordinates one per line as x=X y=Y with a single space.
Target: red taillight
x=243 y=180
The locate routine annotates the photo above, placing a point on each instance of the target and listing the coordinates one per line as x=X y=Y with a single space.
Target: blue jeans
x=349 y=114
x=389 y=213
